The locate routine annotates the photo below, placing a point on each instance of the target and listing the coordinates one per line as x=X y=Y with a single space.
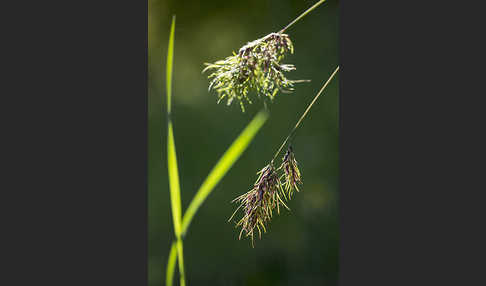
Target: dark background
x=300 y=246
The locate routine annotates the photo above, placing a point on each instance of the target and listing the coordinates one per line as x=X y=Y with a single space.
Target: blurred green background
x=301 y=247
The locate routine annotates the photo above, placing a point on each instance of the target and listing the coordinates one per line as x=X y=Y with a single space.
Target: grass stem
x=305 y=113
x=302 y=15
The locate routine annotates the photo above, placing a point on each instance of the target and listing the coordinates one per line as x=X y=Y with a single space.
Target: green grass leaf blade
x=223 y=165
x=217 y=173
x=180 y=255
x=169 y=276
x=169 y=65
x=175 y=191
x=174 y=183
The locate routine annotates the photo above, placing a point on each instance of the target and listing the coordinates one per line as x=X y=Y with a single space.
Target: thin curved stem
x=305 y=113
x=302 y=15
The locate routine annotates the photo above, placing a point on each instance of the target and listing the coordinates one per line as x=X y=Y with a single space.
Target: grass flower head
x=256 y=68
x=292 y=172
x=259 y=202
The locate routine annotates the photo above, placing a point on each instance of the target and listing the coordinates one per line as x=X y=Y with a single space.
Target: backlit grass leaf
x=169 y=65
x=223 y=165
x=175 y=192
x=174 y=183
x=171 y=265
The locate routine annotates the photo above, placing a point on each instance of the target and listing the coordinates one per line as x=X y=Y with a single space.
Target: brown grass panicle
x=292 y=174
x=258 y=203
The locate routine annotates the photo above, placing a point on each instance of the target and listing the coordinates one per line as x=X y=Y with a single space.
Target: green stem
x=170 y=269
x=180 y=259
x=173 y=172
x=302 y=15
x=305 y=113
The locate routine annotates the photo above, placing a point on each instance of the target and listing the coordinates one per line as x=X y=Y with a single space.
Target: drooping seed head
x=292 y=172
x=258 y=203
